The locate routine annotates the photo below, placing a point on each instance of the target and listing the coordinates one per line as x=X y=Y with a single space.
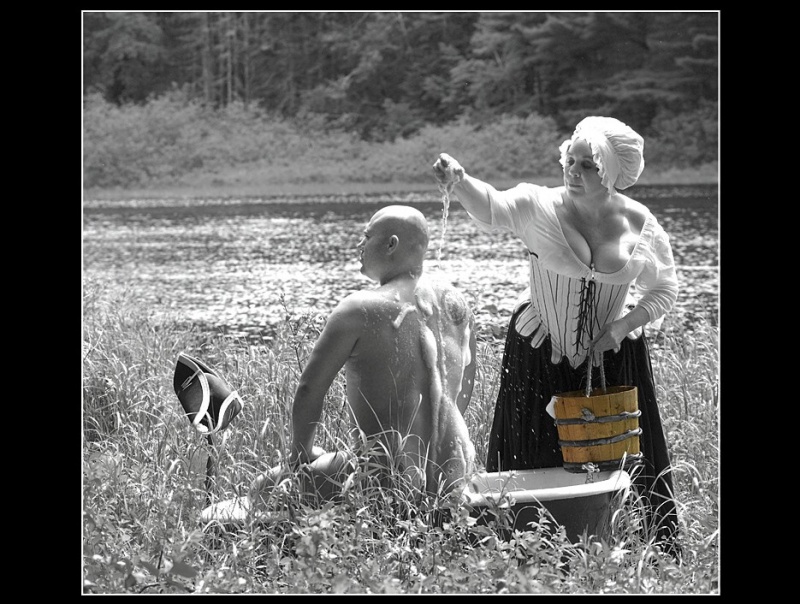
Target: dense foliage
x=143 y=482
x=384 y=75
x=174 y=140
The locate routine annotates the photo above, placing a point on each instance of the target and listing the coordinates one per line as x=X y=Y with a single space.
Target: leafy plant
x=144 y=483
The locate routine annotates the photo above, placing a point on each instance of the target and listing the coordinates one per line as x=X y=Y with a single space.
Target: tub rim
x=615 y=481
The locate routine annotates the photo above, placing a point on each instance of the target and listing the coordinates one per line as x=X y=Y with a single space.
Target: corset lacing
x=587 y=318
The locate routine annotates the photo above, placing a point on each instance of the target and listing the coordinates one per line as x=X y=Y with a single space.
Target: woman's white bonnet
x=617 y=150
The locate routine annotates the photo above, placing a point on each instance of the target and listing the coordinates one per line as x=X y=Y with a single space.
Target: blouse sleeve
x=657 y=284
x=512 y=210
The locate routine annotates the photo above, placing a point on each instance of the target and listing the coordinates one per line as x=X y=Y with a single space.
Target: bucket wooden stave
x=601 y=428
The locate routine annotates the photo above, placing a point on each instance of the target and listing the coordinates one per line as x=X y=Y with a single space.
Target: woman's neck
x=591 y=207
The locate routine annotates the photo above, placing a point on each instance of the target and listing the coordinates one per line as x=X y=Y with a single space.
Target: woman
x=587 y=244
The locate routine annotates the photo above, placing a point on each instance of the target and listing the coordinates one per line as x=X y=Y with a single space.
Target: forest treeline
x=386 y=78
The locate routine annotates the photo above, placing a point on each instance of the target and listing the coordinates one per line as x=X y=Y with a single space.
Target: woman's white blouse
x=571 y=301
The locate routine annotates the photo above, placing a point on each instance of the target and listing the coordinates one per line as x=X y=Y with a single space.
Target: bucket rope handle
x=589 y=363
x=588 y=310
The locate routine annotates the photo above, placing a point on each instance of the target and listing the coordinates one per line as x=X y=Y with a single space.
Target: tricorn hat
x=209 y=402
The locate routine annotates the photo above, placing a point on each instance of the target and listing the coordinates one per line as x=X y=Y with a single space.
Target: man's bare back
x=412 y=375
x=408 y=349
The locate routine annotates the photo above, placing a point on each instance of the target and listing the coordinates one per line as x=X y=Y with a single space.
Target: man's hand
x=300 y=457
x=263 y=483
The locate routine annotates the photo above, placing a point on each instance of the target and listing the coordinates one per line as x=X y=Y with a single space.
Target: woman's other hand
x=610 y=336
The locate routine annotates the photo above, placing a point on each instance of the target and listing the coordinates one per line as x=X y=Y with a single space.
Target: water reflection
x=230 y=264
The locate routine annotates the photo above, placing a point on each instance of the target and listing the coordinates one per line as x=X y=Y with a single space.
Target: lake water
x=238 y=266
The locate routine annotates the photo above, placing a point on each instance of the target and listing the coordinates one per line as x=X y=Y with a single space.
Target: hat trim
x=196 y=364
x=223 y=409
x=203 y=411
x=203 y=371
x=198 y=372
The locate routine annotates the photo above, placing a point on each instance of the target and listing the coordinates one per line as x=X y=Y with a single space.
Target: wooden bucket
x=600 y=428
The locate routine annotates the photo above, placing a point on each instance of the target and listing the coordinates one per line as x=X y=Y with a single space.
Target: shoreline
x=314 y=189
x=703 y=176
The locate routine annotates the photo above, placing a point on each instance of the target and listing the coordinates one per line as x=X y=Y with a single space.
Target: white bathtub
x=570 y=499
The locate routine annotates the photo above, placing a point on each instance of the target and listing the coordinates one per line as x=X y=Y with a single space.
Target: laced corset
x=571 y=310
x=570 y=301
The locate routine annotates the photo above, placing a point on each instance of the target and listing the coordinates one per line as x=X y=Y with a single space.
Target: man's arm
x=330 y=353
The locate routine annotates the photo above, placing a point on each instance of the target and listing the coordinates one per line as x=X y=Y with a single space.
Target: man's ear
x=394 y=241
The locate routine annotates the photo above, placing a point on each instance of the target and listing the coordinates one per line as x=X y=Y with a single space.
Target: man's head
x=395 y=241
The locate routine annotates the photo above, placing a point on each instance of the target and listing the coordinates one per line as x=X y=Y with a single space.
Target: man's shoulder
x=449 y=297
x=358 y=301
x=440 y=285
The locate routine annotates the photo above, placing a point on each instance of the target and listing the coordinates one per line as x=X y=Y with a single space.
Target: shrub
x=173 y=140
x=171 y=137
x=684 y=140
x=510 y=147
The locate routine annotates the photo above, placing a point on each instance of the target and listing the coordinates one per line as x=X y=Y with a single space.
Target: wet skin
x=408 y=350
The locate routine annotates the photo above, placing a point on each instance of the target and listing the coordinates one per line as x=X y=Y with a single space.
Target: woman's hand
x=447 y=170
x=611 y=336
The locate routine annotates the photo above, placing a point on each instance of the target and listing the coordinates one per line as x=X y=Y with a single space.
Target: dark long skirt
x=524 y=435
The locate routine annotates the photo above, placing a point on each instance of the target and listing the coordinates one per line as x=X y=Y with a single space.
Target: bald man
x=408 y=350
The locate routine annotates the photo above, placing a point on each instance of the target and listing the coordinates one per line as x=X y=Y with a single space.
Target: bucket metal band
x=601 y=441
x=606 y=466
x=603 y=419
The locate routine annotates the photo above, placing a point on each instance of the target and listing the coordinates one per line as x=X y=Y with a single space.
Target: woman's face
x=581 y=175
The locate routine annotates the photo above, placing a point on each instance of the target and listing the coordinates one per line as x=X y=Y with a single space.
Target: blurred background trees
x=389 y=76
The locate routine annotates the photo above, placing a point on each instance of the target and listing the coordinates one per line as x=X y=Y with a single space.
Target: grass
x=144 y=481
